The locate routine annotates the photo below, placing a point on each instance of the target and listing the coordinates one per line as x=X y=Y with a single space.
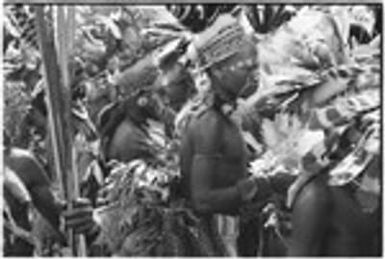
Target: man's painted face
x=233 y=73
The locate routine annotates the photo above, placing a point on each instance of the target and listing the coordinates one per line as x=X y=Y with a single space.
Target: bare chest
x=233 y=145
x=232 y=165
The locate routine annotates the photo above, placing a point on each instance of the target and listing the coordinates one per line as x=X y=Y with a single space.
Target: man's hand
x=248 y=188
x=80 y=218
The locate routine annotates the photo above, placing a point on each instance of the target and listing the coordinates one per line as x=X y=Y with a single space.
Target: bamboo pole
x=57 y=82
x=65 y=40
x=52 y=84
x=60 y=35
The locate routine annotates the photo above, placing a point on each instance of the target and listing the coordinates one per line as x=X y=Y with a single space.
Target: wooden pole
x=65 y=25
x=66 y=45
x=54 y=98
x=60 y=36
x=55 y=60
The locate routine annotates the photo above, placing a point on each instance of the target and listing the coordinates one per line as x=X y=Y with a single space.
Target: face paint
x=247 y=64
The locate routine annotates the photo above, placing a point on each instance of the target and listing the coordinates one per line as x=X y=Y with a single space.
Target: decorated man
x=213 y=154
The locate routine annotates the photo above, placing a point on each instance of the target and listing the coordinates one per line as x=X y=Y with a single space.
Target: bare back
x=328 y=221
x=127 y=143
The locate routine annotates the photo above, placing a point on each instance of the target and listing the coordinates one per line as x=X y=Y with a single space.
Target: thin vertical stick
x=52 y=83
x=59 y=102
x=66 y=20
x=60 y=37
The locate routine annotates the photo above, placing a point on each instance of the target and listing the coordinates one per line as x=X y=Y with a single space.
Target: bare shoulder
x=210 y=121
x=205 y=130
x=27 y=167
x=315 y=195
x=19 y=157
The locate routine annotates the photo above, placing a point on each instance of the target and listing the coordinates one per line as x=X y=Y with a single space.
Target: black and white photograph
x=183 y=129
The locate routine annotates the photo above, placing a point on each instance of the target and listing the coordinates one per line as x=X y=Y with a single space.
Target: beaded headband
x=220 y=41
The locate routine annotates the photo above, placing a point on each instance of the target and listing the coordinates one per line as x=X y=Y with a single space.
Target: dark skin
x=328 y=222
x=309 y=220
x=213 y=164
x=127 y=135
x=33 y=176
x=213 y=160
x=213 y=154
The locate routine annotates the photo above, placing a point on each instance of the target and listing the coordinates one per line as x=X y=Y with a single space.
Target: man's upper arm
x=311 y=217
x=41 y=193
x=32 y=174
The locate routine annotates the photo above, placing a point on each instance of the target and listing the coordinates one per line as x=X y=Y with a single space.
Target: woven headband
x=220 y=41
